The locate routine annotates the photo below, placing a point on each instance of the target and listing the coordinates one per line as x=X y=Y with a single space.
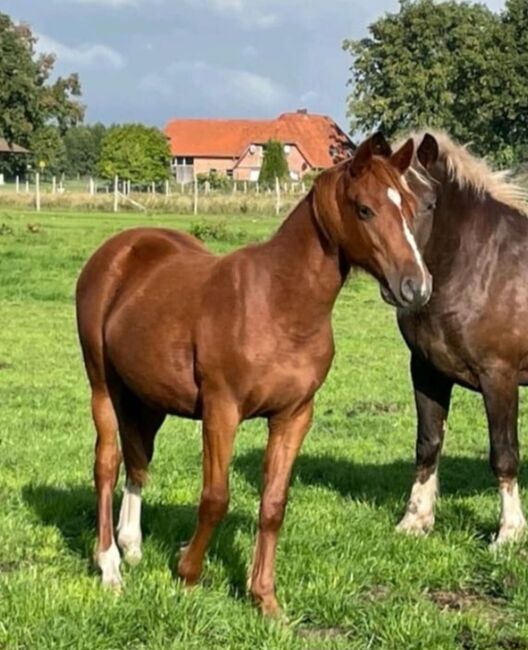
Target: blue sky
x=150 y=60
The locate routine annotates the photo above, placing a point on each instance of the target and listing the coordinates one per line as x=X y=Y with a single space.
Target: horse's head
x=425 y=177
x=365 y=206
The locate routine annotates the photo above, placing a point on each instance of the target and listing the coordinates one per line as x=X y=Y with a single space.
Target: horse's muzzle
x=411 y=293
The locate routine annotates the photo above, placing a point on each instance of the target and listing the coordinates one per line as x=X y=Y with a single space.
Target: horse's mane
x=469 y=171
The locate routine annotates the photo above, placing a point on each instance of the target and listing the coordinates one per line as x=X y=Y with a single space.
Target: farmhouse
x=9 y=153
x=235 y=147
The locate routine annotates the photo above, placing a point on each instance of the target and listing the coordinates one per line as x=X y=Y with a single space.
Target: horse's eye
x=431 y=207
x=364 y=212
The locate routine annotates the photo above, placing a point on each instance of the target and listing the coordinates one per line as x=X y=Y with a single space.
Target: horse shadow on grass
x=388 y=484
x=72 y=511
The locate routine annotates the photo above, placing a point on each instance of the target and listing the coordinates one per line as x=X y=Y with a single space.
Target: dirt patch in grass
x=486 y=606
x=372 y=408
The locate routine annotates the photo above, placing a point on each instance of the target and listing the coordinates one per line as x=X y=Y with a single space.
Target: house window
x=287 y=149
x=183 y=160
x=229 y=173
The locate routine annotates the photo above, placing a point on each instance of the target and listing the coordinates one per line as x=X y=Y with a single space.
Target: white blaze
x=395 y=197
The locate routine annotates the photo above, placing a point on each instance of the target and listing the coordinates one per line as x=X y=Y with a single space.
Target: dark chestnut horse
x=166 y=327
x=472 y=227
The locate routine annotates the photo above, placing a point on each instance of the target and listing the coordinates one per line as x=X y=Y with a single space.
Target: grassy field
x=345 y=578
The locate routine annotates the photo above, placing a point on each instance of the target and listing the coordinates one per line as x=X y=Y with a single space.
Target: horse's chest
x=439 y=339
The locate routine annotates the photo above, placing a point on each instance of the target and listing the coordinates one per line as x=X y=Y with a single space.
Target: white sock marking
x=109 y=561
x=395 y=197
x=129 y=526
x=419 y=515
x=512 y=521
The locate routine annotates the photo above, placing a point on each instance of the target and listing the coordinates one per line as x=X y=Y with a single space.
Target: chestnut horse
x=166 y=327
x=472 y=228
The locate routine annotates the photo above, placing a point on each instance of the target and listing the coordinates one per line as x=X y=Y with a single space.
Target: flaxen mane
x=469 y=171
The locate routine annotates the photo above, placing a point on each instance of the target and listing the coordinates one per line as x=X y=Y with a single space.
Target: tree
x=49 y=152
x=446 y=64
x=136 y=153
x=28 y=100
x=83 y=148
x=274 y=164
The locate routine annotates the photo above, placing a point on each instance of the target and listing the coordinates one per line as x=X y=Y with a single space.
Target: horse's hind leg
x=501 y=397
x=106 y=469
x=432 y=392
x=138 y=425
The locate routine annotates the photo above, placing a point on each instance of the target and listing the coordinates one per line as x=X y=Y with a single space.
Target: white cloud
x=249 y=14
x=106 y=3
x=85 y=56
x=217 y=87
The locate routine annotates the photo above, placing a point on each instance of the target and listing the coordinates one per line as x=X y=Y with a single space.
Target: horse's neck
x=455 y=213
x=307 y=263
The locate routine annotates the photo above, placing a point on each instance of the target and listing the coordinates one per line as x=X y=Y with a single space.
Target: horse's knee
x=214 y=504
x=272 y=513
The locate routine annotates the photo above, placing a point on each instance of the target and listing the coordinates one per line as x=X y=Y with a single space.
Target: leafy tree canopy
x=83 y=148
x=28 y=100
x=274 y=164
x=451 y=65
x=48 y=151
x=135 y=152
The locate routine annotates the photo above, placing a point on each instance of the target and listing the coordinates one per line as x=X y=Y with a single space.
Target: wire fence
x=167 y=196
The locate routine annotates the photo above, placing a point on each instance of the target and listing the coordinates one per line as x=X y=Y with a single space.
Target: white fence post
x=116 y=193
x=195 y=202
x=27 y=185
x=54 y=185
x=167 y=191
x=277 y=191
x=37 y=191
x=17 y=184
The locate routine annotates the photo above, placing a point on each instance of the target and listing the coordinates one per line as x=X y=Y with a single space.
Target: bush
x=216 y=181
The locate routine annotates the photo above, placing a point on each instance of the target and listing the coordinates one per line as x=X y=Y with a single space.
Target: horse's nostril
x=409 y=289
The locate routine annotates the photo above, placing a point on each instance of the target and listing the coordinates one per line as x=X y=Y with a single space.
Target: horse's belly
x=160 y=374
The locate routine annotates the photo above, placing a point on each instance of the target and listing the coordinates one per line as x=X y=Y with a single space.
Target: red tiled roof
x=313 y=134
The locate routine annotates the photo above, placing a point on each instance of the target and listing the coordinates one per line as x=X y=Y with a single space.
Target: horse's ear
x=428 y=151
x=376 y=145
x=402 y=158
x=379 y=145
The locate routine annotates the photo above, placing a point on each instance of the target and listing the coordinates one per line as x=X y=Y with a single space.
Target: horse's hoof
x=508 y=535
x=189 y=574
x=271 y=609
x=132 y=555
x=415 y=526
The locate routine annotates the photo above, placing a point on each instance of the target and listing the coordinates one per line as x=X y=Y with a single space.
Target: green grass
x=345 y=578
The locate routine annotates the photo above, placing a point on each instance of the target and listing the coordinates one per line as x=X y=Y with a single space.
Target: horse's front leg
x=220 y=421
x=286 y=434
x=432 y=393
x=501 y=397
